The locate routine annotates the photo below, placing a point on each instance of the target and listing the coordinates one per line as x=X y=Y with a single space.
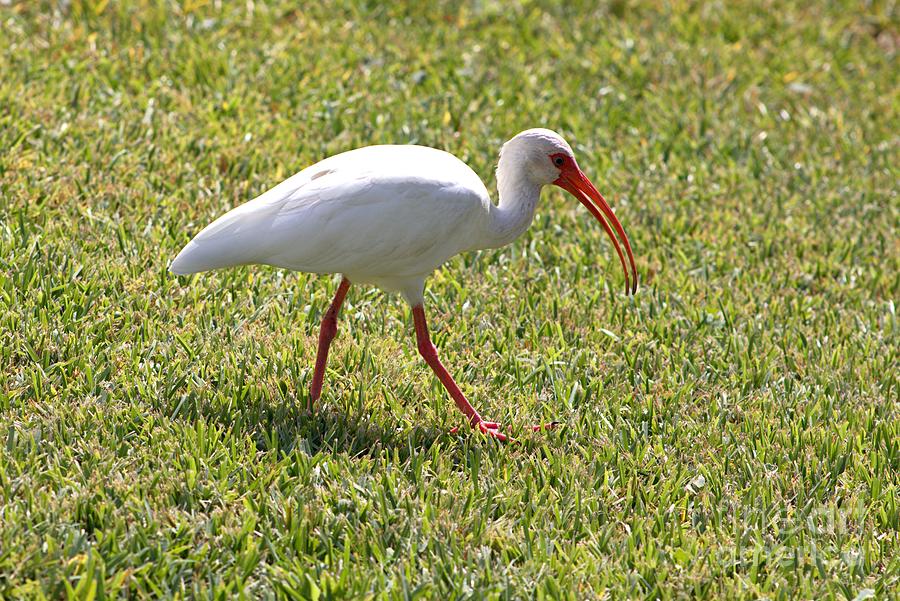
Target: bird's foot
x=492 y=429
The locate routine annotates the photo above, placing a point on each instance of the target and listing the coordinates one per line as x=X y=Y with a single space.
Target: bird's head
x=545 y=157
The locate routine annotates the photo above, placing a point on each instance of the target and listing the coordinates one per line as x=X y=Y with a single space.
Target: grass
x=731 y=431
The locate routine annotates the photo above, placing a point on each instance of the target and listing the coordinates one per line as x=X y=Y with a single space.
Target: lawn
x=731 y=431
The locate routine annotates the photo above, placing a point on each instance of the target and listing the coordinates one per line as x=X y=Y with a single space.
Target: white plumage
x=382 y=215
x=389 y=216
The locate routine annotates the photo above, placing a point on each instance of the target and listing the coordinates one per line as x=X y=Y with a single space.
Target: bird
x=388 y=216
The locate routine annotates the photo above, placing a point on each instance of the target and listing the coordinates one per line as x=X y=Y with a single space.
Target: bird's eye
x=558 y=161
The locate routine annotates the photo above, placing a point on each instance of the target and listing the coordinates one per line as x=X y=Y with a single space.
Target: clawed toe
x=492 y=429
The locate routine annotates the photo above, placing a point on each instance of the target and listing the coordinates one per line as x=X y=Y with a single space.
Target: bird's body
x=389 y=216
x=381 y=215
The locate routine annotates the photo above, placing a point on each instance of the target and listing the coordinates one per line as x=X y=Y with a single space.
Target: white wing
x=374 y=213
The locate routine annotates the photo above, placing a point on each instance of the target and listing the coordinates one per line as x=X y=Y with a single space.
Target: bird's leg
x=327 y=333
x=429 y=353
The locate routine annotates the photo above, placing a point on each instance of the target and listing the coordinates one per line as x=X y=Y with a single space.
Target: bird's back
x=375 y=212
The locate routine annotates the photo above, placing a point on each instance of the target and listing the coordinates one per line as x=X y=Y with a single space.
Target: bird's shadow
x=285 y=426
x=331 y=430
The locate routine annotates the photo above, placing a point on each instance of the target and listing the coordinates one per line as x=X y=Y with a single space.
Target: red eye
x=558 y=160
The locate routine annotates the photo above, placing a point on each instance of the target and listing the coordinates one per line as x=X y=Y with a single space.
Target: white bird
x=390 y=215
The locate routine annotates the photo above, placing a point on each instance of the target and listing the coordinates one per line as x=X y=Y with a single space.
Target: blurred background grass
x=731 y=431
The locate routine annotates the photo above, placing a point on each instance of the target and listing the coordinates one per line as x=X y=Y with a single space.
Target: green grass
x=731 y=431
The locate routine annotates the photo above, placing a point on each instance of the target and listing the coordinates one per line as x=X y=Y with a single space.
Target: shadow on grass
x=284 y=425
x=332 y=430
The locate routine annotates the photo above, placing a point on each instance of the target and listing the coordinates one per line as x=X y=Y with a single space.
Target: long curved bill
x=578 y=185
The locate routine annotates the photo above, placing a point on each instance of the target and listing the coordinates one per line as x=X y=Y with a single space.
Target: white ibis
x=390 y=215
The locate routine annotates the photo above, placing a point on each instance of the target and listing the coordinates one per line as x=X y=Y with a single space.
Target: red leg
x=429 y=353
x=327 y=333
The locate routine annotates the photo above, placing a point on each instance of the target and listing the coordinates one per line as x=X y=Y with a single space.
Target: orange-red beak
x=574 y=181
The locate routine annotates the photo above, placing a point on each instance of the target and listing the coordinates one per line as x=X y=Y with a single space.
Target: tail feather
x=236 y=238
x=195 y=258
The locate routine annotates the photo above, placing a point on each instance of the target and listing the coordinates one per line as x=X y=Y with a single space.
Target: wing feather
x=359 y=212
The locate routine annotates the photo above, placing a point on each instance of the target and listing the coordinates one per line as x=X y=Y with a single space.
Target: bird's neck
x=515 y=210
